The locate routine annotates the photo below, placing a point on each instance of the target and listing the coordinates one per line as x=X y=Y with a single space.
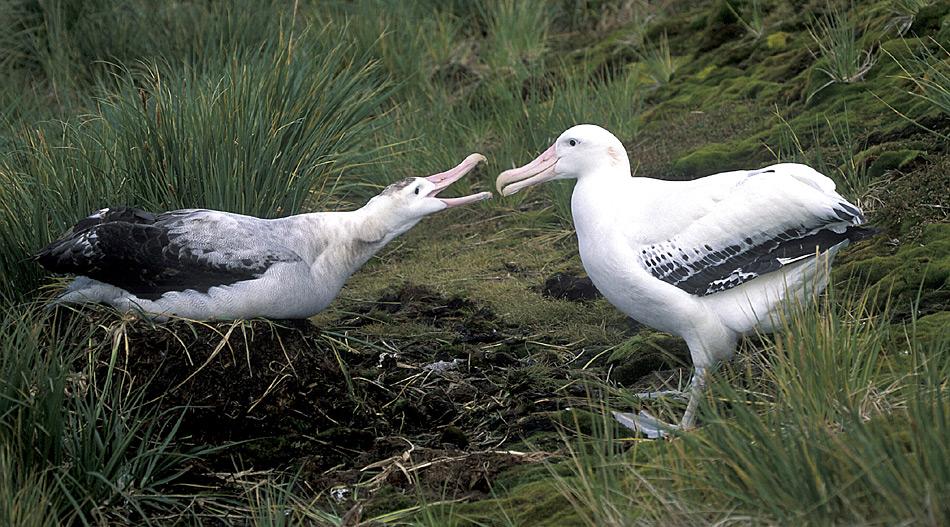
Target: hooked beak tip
x=541 y=169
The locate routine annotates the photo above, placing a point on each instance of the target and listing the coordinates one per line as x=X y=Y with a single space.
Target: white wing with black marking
x=769 y=219
x=152 y=254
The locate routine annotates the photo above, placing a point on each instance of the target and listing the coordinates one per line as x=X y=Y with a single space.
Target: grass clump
x=751 y=17
x=844 y=428
x=658 y=63
x=86 y=448
x=927 y=71
x=517 y=35
x=838 y=158
x=843 y=55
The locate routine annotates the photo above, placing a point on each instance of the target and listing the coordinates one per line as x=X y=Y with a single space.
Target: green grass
x=821 y=425
x=838 y=158
x=751 y=17
x=845 y=54
x=273 y=108
x=85 y=444
x=825 y=433
x=926 y=71
x=658 y=63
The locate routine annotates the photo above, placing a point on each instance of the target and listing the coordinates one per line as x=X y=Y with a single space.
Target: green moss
x=893 y=160
x=902 y=49
x=716 y=158
x=722 y=26
x=783 y=67
x=915 y=277
x=722 y=14
x=705 y=72
x=931 y=18
x=455 y=436
x=777 y=40
x=911 y=201
x=933 y=331
x=747 y=88
x=537 y=503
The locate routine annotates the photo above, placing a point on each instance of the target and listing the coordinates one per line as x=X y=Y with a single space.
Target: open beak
x=537 y=171
x=442 y=181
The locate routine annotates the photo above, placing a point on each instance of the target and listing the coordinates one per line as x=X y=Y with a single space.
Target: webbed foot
x=646 y=424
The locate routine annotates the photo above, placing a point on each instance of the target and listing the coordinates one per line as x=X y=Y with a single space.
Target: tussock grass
x=843 y=429
x=837 y=158
x=926 y=69
x=25 y=495
x=597 y=479
x=908 y=8
x=517 y=35
x=71 y=45
x=844 y=54
x=85 y=446
x=750 y=16
x=658 y=63
x=839 y=416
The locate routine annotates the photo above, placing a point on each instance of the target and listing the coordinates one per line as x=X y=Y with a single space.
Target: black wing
x=150 y=255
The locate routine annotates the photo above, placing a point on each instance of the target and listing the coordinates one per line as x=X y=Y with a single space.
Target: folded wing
x=769 y=219
x=152 y=254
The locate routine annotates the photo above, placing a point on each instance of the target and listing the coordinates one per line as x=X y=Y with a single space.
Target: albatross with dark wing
x=708 y=260
x=210 y=265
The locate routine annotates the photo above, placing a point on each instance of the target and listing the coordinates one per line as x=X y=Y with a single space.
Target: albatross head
x=405 y=202
x=581 y=150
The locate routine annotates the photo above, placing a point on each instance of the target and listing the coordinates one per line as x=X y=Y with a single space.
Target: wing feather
x=769 y=219
x=150 y=255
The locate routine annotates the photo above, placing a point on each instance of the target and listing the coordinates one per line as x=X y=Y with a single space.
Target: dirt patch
x=569 y=286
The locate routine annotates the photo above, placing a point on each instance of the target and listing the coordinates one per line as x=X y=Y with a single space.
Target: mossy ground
x=461 y=362
x=734 y=102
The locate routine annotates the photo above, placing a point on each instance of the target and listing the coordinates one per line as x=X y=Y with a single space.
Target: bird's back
x=149 y=254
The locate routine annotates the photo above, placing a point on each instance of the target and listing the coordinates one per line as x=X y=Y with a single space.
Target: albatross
x=709 y=260
x=210 y=265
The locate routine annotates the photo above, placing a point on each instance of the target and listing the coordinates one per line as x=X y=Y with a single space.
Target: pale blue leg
x=653 y=428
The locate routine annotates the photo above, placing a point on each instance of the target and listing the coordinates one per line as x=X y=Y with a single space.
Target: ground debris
x=342 y=406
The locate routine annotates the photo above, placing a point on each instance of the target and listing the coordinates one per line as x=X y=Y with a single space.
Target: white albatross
x=210 y=265
x=708 y=260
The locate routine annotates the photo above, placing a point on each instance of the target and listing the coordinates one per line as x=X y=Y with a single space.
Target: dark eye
x=417 y=190
x=572 y=142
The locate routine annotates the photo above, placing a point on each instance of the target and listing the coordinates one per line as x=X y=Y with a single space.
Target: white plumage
x=709 y=260
x=211 y=265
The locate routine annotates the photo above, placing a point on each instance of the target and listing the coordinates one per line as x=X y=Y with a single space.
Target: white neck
x=359 y=234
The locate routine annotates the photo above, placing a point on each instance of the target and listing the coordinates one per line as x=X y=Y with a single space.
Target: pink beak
x=537 y=171
x=442 y=180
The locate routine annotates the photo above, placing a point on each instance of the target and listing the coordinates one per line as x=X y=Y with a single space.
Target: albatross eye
x=417 y=190
x=572 y=142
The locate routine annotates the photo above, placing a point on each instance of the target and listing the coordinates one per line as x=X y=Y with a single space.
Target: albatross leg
x=697 y=384
x=654 y=428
